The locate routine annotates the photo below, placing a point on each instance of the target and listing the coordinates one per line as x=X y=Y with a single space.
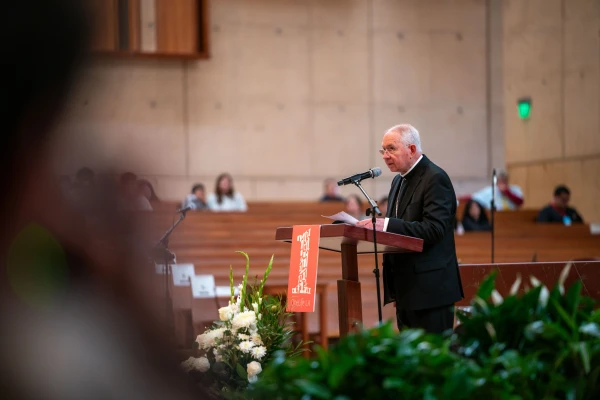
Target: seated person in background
x=508 y=197
x=197 y=199
x=354 y=207
x=225 y=197
x=558 y=210
x=147 y=190
x=132 y=198
x=475 y=218
x=331 y=191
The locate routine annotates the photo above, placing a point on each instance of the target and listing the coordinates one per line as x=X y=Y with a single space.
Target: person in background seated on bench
x=354 y=207
x=508 y=197
x=225 y=197
x=197 y=199
x=147 y=191
x=475 y=218
x=558 y=210
x=331 y=191
x=132 y=198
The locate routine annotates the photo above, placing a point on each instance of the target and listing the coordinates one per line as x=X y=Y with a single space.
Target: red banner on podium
x=304 y=260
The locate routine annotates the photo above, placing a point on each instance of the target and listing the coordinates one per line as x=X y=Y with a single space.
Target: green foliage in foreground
x=542 y=345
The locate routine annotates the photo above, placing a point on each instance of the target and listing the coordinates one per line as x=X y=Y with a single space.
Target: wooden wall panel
x=105 y=37
x=177 y=26
x=581 y=177
x=134 y=25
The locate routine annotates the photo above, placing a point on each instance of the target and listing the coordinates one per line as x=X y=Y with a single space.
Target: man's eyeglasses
x=389 y=150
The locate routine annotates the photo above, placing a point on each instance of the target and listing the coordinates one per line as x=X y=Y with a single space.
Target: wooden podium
x=350 y=241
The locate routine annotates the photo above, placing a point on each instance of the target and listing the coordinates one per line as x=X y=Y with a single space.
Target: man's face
x=397 y=156
x=199 y=194
x=503 y=184
x=562 y=200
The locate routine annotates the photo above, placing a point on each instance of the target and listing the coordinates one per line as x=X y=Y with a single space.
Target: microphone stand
x=493 y=209
x=373 y=211
x=162 y=252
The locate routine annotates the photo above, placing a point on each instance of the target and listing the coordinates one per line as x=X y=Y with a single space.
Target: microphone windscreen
x=376 y=172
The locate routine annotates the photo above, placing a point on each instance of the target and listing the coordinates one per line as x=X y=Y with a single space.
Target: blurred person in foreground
x=73 y=320
x=422 y=204
x=558 y=211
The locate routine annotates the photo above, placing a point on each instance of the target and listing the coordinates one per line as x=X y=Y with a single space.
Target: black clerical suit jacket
x=427 y=210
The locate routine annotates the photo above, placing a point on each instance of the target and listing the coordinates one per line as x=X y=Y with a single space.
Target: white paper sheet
x=203 y=286
x=342 y=216
x=182 y=274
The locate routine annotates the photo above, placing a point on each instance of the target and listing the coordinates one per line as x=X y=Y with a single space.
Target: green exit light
x=524 y=105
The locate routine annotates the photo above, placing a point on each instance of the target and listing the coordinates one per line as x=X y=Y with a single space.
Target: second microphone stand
x=373 y=211
x=163 y=254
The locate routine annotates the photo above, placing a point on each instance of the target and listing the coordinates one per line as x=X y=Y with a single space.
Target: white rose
x=259 y=352
x=246 y=346
x=208 y=339
x=202 y=364
x=243 y=320
x=243 y=337
x=225 y=313
x=202 y=341
x=188 y=364
x=253 y=368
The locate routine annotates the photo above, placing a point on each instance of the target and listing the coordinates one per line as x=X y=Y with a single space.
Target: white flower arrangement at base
x=250 y=329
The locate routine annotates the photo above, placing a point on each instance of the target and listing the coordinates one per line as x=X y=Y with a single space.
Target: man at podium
x=421 y=203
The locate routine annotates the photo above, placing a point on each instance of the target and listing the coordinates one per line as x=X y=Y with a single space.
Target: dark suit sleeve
x=439 y=208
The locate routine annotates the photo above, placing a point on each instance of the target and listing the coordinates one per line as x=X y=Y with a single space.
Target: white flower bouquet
x=238 y=346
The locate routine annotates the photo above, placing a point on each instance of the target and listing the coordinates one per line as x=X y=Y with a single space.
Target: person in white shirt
x=508 y=197
x=225 y=197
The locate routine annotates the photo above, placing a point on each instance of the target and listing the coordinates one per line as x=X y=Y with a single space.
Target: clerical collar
x=413 y=166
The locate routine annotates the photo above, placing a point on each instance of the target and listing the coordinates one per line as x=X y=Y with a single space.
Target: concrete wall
x=297 y=91
x=552 y=53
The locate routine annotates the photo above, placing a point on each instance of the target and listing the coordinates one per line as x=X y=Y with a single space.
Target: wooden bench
x=209 y=241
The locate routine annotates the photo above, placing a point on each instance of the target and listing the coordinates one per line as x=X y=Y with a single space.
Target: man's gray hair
x=408 y=135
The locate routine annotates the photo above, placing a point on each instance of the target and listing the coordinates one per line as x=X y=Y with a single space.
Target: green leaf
x=585 y=356
x=566 y=317
x=313 y=389
x=573 y=297
x=241 y=371
x=244 y=280
x=487 y=286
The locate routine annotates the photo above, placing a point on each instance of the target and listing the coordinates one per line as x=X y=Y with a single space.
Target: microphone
x=495 y=179
x=372 y=173
x=184 y=210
